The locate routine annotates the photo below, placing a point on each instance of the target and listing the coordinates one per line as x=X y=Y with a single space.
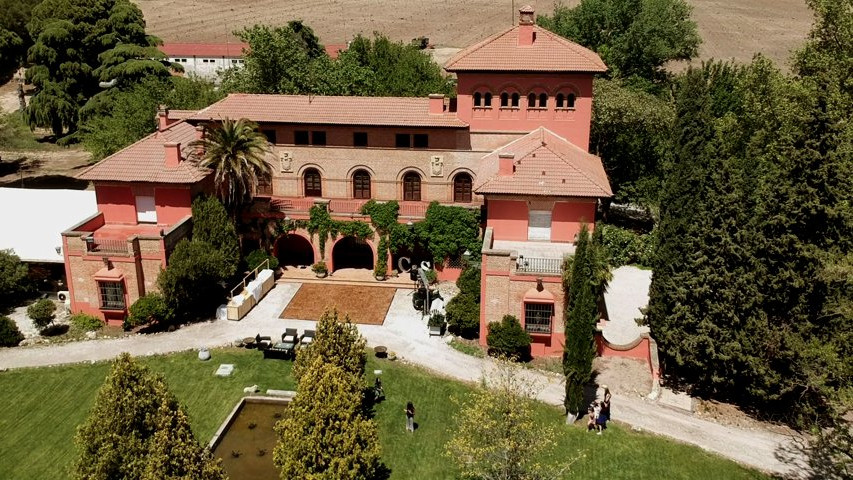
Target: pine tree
x=324 y=434
x=337 y=342
x=124 y=428
x=581 y=316
x=175 y=454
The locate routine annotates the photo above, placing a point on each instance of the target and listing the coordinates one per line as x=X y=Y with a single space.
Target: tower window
x=504 y=99
x=359 y=139
x=531 y=100
x=487 y=99
x=515 y=99
x=543 y=100
x=478 y=99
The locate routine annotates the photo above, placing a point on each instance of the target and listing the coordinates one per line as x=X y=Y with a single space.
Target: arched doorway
x=462 y=191
x=313 y=183
x=351 y=252
x=294 y=251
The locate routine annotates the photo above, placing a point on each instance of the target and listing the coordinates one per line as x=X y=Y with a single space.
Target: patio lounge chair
x=262 y=343
x=307 y=337
x=286 y=347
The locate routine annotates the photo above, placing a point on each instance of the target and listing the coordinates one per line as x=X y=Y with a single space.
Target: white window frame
x=539 y=225
x=146 y=209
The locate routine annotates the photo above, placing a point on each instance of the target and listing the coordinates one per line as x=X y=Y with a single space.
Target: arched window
x=462 y=188
x=361 y=185
x=543 y=100
x=504 y=99
x=412 y=187
x=531 y=100
x=515 y=98
x=561 y=100
x=313 y=183
x=478 y=99
x=570 y=101
x=487 y=99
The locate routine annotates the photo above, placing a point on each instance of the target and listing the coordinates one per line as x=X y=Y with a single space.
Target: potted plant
x=320 y=269
x=380 y=270
x=436 y=323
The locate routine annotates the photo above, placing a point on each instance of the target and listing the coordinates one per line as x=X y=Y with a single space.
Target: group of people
x=379 y=395
x=599 y=413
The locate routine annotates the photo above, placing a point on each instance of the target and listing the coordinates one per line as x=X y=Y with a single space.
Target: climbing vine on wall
x=320 y=223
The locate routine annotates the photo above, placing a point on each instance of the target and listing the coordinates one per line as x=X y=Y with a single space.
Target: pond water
x=246 y=445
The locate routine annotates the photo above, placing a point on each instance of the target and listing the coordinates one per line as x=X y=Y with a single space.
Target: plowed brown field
x=730 y=28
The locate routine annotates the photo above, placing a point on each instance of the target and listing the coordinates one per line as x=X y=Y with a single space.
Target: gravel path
x=405 y=333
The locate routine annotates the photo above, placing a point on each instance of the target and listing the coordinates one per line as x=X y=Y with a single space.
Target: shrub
x=626 y=247
x=436 y=320
x=432 y=276
x=13 y=278
x=10 y=336
x=257 y=257
x=147 y=309
x=469 y=282
x=191 y=281
x=42 y=313
x=212 y=225
x=86 y=322
x=508 y=338
x=463 y=315
x=320 y=267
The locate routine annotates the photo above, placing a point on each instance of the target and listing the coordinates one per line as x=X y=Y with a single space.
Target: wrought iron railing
x=539 y=265
x=95 y=245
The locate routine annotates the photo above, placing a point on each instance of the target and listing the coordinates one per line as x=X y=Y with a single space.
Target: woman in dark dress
x=410 y=417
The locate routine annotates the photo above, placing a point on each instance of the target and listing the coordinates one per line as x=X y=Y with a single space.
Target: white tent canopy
x=33 y=220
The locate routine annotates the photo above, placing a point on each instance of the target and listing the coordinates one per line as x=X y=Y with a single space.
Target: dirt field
x=364 y=305
x=730 y=28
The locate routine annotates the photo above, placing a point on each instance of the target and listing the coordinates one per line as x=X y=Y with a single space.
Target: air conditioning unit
x=64 y=296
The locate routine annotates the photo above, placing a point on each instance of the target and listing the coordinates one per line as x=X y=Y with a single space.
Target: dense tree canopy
x=212 y=224
x=114 y=121
x=79 y=43
x=635 y=38
x=13 y=278
x=337 y=342
x=14 y=37
x=749 y=300
x=290 y=60
x=190 y=283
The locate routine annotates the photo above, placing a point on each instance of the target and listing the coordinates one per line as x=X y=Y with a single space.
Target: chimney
x=505 y=164
x=173 y=154
x=436 y=103
x=526 y=21
x=162 y=118
x=199 y=136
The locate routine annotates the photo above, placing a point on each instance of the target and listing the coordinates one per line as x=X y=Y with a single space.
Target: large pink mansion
x=514 y=139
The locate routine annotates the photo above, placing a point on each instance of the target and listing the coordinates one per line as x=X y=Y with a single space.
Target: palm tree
x=236 y=152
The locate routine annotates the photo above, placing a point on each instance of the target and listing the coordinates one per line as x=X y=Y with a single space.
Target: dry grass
x=730 y=28
x=364 y=305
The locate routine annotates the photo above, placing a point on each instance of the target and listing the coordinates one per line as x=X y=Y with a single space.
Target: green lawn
x=41 y=408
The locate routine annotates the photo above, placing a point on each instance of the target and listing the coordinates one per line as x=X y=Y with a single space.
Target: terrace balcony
x=529 y=258
x=94 y=237
x=343 y=207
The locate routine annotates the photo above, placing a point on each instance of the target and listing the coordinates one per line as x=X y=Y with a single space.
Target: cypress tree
x=581 y=316
x=337 y=342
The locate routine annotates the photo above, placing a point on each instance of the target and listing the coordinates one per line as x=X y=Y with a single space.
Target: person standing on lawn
x=410 y=417
x=605 y=404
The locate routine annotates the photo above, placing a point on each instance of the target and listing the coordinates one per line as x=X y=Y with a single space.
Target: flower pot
x=380 y=278
x=321 y=274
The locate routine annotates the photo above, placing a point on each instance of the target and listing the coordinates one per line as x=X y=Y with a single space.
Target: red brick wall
x=378 y=137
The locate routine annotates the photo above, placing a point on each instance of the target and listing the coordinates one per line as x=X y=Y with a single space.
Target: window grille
x=537 y=317
x=112 y=295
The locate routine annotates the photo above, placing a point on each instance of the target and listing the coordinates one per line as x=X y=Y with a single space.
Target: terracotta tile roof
x=334 y=49
x=208 y=50
x=145 y=160
x=545 y=164
x=181 y=114
x=549 y=53
x=324 y=110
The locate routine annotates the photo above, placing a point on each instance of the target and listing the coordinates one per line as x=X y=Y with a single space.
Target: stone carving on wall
x=286 y=162
x=437 y=166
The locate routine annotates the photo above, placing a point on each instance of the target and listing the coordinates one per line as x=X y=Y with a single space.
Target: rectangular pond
x=246 y=440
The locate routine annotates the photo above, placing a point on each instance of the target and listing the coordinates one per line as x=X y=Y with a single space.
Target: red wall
x=117 y=203
x=508 y=219
x=172 y=204
x=377 y=137
x=572 y=124
x=566 y=219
